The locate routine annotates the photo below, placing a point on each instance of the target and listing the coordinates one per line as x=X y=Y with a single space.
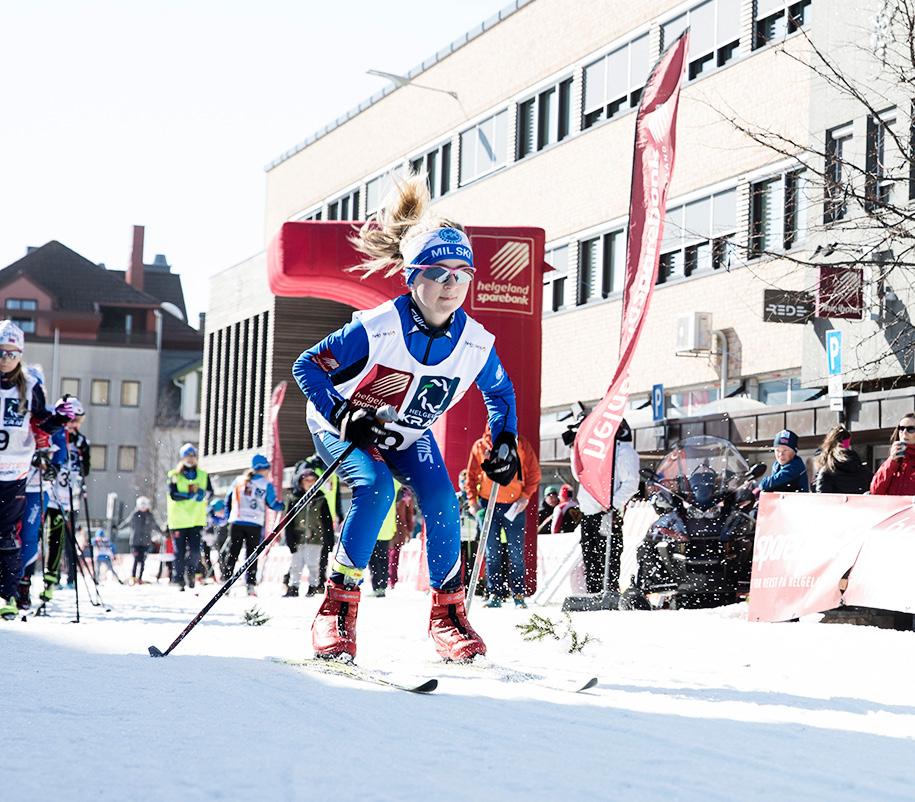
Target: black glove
x=503 y=463
x=360 y=425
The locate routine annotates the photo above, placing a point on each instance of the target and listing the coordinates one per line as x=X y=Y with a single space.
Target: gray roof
x=76 y=284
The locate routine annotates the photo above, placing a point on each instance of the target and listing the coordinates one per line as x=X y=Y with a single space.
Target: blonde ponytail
x=404 y=213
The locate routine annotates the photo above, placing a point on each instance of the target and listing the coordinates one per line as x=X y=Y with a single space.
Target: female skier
x=418 y=353
x=22 y=405
x=247 y=503
x=70 y=466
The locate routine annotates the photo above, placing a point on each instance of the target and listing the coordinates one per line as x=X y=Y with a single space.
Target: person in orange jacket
x=509 y=514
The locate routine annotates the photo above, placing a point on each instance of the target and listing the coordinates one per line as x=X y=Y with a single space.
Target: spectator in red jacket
x=896 y=477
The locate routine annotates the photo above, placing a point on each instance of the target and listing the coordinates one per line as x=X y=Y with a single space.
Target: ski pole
x=481 y=548
x=81 y=566
x=41 y=516
x=277 y=530
x=71 y=529
x=71 y=466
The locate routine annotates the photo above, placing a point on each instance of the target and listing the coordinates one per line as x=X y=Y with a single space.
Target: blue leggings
x=422 y=468
x=31 y=527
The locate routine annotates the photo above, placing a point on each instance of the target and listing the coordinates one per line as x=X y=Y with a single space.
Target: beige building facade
x=533 y=125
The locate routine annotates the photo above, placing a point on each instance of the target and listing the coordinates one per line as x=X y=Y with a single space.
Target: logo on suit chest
x=432 y=397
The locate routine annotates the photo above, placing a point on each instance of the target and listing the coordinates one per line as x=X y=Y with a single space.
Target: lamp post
x=402 y=80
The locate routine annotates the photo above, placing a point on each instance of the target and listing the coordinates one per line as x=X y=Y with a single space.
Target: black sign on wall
x=787 y=306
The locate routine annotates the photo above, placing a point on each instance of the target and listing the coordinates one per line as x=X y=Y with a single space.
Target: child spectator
x=788 y=473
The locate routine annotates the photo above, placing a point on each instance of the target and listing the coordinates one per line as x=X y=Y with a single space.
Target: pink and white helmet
x=11 y=335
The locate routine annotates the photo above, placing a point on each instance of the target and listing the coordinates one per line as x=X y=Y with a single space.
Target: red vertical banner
x=276 y=449
x=652 y=168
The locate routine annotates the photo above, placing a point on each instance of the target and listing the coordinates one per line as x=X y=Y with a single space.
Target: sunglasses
x=440 y=275
x=907 y=429
x=4 y=354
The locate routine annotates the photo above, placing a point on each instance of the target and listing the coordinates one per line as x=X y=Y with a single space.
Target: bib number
x=4 y=439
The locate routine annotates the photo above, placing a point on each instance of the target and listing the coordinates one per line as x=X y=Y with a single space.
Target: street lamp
x=403 y=80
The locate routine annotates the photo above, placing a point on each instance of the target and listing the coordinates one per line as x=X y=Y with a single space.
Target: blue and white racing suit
x=390 y=355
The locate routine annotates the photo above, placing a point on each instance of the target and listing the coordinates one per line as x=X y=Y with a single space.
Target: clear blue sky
x=165 y=113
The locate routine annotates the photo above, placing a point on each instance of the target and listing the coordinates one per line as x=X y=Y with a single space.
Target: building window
x=346 y=207
x=556 y=281
x=698 y=236
x=25 y=304
x=98 y=457
x=130 y=394
x=25 y=323
x=484 y=147
x=714 y=34
x=99 y=392
x=601 y=266
x=776 y=19
x=376 y=189
x=127 y=459
x=838 y=142
x=436 y=165
x=69 y=387
x=878 y=183
x=786 y=390
x=614 y=83
x=778 y=213
x=544 y=119
x=588 y=270
x=314 y=214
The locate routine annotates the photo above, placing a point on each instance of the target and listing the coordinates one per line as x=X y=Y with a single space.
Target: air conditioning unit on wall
x=694 y=333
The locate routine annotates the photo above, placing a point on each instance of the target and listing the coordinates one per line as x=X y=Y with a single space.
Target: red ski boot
x=333 y=633
x=449 y=628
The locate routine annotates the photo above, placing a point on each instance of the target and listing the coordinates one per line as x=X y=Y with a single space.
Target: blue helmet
x=259 y=462
x=217 y=505
x=703 y=485
x=188 y=450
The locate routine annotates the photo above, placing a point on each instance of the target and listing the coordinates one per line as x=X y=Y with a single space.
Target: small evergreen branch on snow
x=255 y=617
x=540 y=627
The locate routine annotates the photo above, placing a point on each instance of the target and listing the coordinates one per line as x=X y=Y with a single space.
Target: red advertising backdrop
x=652 y=169
x=309 y=259
x=806 y=544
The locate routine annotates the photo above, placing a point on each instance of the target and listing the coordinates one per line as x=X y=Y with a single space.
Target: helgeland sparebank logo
x=504 y=280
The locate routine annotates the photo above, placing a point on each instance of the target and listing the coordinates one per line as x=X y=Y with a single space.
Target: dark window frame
x=538 y=121
x=122 y=451
x=436 y=164
x=98 y=464
x=124 y=383
x=793 y=15
x=835 y=206
x=92 y=401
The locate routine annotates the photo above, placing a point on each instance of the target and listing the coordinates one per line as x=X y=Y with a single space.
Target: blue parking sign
x=657 y=403
x=834 y=352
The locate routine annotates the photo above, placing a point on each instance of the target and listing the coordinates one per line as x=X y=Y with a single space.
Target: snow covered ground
x=694 y=705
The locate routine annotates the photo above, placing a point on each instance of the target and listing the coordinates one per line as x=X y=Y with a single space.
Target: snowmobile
x=699 y=551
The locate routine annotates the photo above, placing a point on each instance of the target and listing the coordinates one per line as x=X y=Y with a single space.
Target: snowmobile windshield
x=702 y=469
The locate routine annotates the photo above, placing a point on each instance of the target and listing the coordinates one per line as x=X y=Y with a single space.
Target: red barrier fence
x=817 y=552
